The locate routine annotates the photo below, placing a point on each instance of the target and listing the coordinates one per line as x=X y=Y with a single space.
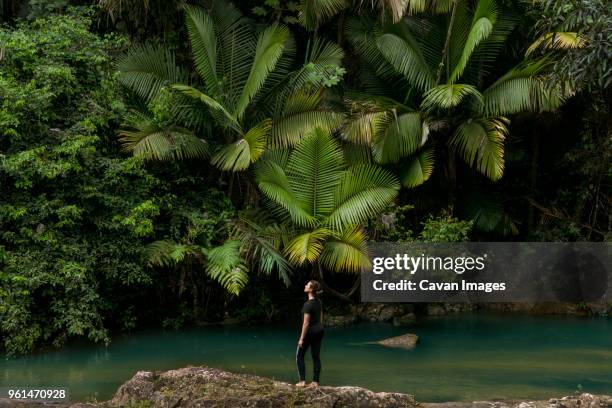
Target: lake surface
x=462 y=357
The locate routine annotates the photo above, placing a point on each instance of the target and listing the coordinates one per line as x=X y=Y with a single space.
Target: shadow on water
x=462 y=357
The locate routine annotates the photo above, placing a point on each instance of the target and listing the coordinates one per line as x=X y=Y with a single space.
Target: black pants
x=314 y=342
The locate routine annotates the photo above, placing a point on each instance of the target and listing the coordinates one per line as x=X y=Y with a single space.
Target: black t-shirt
x=313 y=307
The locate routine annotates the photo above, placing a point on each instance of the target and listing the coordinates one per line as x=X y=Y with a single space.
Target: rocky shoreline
x=192 y=387
x=401 y=314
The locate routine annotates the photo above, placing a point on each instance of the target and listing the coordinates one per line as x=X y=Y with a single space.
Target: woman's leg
x=316 y=356
x=300 y=353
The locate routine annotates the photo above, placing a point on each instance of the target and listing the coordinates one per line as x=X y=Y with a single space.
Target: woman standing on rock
x=311 y=335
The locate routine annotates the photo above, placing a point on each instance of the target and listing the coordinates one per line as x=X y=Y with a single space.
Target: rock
x=403 y=320
x=574 y=401
x=214 y=388
x=600 y=309
x=211 y=387
x=582 y=401
x=434 y=309
x=378 y=312
x=405 y=341
x=557 y=308
x=339 y=320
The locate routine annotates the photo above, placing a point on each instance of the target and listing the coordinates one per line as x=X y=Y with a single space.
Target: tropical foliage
x=452 y=96
x=174 y=162
x=322 y=203
x=239 y=69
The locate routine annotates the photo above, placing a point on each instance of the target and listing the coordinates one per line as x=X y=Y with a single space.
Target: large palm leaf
x=145 y=138
x=146 y=69
x=326 y=200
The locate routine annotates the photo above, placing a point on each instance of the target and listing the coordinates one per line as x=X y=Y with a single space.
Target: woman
x=312 y=334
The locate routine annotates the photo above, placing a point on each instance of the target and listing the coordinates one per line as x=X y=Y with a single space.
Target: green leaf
x=407 y=59
x=347 y=251
x=314 y=170
x=301 y=115
x=522 y=89
x=226 y=266
x=274 y=184
x=201 y=30
x=448 y=96
x=418 y=169
x=480 y=142
x=240 y=154
x=224 y=117
x=363 y=192
x=269 y=50
x=483 y=21
x=146 y=139
x=313 y=13
x=402 y=137
x=307 y=246
x=145 y=69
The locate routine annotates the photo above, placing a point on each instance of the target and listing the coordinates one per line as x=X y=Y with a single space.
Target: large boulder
x=211 y=387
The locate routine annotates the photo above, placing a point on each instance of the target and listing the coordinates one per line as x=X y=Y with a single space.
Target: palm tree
x=449 y=100
x=248 y=98
x=321 y=203
x=314 y=13
x=223 y=263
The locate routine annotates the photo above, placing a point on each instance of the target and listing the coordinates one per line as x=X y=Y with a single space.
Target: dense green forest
x=166 y=163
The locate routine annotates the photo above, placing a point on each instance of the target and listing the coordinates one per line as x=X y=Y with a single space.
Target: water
x=463 y=357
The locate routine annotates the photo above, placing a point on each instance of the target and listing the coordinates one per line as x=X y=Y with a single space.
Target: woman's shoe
x=313 y=384
x=301 y=384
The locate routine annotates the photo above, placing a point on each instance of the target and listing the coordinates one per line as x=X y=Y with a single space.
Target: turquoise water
x=462 y=357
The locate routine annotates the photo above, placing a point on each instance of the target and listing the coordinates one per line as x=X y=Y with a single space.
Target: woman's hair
x=316 y=287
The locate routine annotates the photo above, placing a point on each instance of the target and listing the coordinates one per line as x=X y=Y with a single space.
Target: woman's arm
x=304 y=328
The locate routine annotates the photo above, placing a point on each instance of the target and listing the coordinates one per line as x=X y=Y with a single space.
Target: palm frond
x=522 y=89
x=201 y=30
x=325 y=53
x=347 y=251
x=226 y=266
x=402 y=137
x=362 y=127
x=223 y=116
x=314 y=12
x=362 y=34
x=240 y=154
x=307 y=246
x=418 y=169
x=269 y=49
x=448 y=96
x=407 y=59
x=144 y=138
x=302 y=114
x=236 y=44
x=485 y=17
x=435 y=6
x=314 y=169
x=363 y=192
x=145 y=69
x=261 y=241
x=168 y=253
x=274 y=184
x=480 y=143
x=557 y=41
